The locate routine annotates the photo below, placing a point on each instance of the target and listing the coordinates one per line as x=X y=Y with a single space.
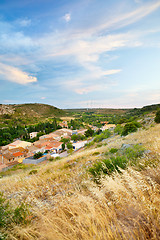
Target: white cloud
x=67 y=17
x=43 y=98
x=125 y=19
x=16 y=75
x=23 y=22
x=95 y=81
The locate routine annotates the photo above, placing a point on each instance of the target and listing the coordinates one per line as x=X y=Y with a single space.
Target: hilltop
x=30 y=113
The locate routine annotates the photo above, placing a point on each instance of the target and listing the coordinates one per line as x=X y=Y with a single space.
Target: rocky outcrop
x=6 y=109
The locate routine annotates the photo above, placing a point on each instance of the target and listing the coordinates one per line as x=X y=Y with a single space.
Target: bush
x=113 y=150
x=133 y=153
x=103 y=135
x=157 y=118
x=63 y=146
x=95 y=153
x=34 y=171
x=90 y=144
x=108 y=166
x=129 y=128
x=123 y=158
x=37 y=155
x=89 y=133
x=69 y=146
x=118 y=129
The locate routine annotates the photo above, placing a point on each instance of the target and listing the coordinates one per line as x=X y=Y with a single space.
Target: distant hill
x=144 y=110
x=29 y=113
x=134 y=111
x=98 y=110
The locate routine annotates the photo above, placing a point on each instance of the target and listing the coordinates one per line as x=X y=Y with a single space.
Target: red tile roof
x=17 y=154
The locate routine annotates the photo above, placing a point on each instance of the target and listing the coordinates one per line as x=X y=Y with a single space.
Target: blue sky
x=80 y=53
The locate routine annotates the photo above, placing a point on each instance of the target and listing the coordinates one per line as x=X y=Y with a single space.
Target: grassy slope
x=67 y=205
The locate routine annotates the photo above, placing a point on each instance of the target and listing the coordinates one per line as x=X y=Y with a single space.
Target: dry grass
x=67 y=205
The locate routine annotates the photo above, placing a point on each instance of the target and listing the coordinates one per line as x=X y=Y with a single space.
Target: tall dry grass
x=67 y=205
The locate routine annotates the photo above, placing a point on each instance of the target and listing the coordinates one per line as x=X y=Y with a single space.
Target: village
x=56 y=144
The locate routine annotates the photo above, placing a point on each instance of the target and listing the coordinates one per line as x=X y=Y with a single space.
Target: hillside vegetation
x=27 y=113
x=61 y=199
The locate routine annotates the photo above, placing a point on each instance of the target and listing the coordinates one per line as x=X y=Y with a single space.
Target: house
x=51 y=136
x=64 y=132
x=33 y=135
x=108 y=126
x=81 y=131
x=19 y=143
x=78 y=145
x=18 y=156
x=34 y=149
x=49 y=144
x=63 y=124
x=55 y=146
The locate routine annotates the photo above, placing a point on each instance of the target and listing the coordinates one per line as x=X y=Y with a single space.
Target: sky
x=80 y=53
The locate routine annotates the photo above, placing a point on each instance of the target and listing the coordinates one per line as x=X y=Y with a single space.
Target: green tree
x=89 y=132
x=128 y=128
x=63 y=146
x=37 y=155
x=69 y=146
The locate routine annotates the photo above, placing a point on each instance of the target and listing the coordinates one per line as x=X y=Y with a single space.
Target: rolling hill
x=29 y=113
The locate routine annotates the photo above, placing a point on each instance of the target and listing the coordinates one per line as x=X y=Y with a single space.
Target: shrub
x=103 y=135
x=123 y=158
x=118 y=129
x=113 y=150
x=20 y=214
x=95 y=153
x=129 y=128
x=69 y=146
x=157 y=118
x=37 y=155
x=89 y=133
x=133 y=153
x=34 y=171
x=90 y=144
x=63 y=146
x=108 y=166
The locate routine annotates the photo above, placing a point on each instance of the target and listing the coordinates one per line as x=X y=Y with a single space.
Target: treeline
x=8 y=134
x=98 y=119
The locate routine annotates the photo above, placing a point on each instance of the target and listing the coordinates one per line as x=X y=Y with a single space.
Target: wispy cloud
x=67 y=17
x=16 y=75
x=125 y=19
x=127 y=100
x=23 y=22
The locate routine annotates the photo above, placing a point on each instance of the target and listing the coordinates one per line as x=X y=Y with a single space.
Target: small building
x=78 y=145
x=108 y=126
x=19 y=143
x=33 y=135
